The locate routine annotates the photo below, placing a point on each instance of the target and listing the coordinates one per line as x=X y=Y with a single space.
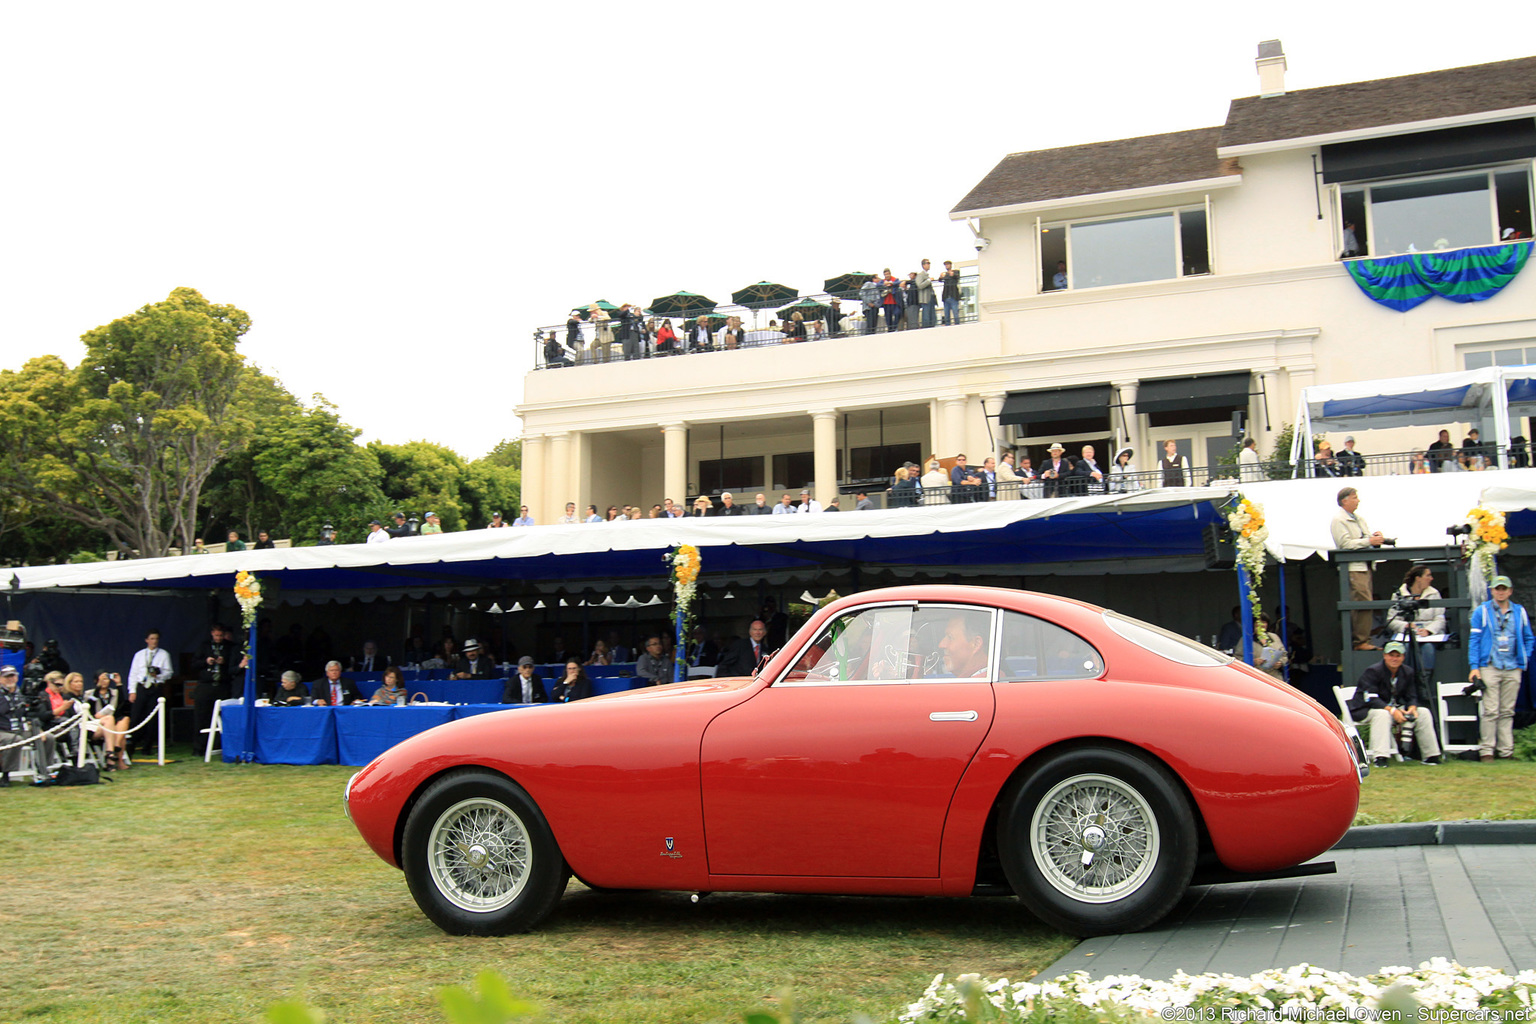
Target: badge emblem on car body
x=670 y=851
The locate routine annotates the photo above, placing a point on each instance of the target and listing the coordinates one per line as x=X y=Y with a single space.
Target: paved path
x=1467 y=894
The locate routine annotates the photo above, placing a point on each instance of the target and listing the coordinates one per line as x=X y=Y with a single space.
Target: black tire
x=479 y=857
x=1124 y=811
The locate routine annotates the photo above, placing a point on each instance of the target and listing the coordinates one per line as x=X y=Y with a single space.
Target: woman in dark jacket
x=575 y=686
x=904 y=490
x=109 y=707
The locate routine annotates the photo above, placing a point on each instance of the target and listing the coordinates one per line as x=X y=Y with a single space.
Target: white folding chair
x=1455 y=706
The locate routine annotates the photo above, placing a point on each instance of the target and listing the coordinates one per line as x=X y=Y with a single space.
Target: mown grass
x=206 y=893
x=1408 y=791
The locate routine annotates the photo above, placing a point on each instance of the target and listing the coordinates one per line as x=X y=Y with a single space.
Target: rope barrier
x=83 y=720
x=57 y=730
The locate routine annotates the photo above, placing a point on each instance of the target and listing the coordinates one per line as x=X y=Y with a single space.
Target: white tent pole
x=1501 y=432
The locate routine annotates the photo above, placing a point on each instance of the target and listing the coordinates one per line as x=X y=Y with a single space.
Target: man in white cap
x=1498 y=649
x=1056 y=468
x=1388 y=695
x=1351 y=462
x=476 y=664
x=808 y=503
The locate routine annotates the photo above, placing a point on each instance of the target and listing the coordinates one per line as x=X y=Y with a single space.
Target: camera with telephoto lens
x=1389 y=542
x=1474 y=690
x=1465 y=529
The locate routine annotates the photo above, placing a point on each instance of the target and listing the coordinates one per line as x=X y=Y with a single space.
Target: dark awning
x=1212 y=391
x=1079 y=409
x=1036 y=411
x=1422 y=152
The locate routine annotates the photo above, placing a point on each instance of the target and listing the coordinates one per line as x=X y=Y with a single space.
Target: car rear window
x=1164 y=643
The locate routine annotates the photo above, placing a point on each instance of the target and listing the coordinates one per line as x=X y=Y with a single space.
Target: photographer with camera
x=1498 y=647
x=1411 y=619
x=150 y=669
x=1389 y=694
x=1350 y=533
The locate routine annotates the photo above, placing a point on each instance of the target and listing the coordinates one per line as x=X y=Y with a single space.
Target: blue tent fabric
x=1440 y=398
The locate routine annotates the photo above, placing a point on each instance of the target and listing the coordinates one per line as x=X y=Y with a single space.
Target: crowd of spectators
x=885 y=302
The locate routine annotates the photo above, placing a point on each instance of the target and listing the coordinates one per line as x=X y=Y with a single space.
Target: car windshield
x=1162 y=642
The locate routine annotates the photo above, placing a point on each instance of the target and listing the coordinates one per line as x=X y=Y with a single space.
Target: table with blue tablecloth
x=354 y=734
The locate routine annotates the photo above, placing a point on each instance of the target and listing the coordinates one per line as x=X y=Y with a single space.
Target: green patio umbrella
x=844 y=286
x=602 y=304
x=680 y=302
x=764 y=293
x=809 y=309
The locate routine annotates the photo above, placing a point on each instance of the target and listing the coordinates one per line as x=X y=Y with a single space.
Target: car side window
x=898 y=644
x=1035 y=649
x=867 y=645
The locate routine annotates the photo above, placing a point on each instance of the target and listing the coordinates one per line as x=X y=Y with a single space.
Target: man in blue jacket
x=1497 y=652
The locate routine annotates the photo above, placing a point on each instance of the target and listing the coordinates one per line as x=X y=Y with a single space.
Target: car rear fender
x=1273 y=783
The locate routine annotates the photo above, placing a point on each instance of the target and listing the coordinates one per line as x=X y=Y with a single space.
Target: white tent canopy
x=1489 y=397
x=1414 y=510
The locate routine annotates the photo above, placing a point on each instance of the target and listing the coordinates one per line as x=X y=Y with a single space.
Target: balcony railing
x=604 y=342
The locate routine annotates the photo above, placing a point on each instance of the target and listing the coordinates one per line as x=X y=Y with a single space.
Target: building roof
x=1097 y=167
x=1407 y=99
x=1152 y=160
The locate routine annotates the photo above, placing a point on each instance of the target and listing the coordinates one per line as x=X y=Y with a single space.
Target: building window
x=1448 y=211
x=1125 y=250
x=880 y=462
x=1508 y=355
x=716 y=475
x=798 y=469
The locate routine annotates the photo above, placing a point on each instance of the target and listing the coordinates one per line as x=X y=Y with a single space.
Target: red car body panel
x=733 y=785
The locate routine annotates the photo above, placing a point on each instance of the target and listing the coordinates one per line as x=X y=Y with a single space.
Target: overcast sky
x=399 y=194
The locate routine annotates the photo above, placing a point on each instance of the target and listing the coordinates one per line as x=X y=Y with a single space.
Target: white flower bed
x=1439 y=990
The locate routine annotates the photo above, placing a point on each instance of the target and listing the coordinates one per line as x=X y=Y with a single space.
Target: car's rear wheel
x=1099 y=840
x=479 y=857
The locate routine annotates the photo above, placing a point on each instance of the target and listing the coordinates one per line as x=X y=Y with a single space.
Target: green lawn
x=204 y=893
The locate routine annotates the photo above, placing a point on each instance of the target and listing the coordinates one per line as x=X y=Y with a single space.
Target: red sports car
x=930 y=740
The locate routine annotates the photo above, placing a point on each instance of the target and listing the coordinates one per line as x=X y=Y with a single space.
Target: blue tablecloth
x=303 y=735
x=365 y=732
x=351 y=735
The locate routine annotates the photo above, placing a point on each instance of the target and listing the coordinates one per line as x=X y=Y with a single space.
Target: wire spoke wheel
x=1094 y=838
x=479 y=855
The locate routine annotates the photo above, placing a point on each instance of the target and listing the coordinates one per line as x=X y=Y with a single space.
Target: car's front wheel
x=1099 y=840
x=479 y=857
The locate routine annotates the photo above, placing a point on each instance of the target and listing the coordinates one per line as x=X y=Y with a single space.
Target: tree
x=309 y=461
x=421 y=477
x=124 y=442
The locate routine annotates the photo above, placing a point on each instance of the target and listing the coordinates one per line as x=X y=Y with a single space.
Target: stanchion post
x=160 y=726
x=1247 y=607
x=80 y=746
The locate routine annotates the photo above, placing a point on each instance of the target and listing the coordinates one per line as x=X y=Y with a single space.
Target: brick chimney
x=1271 y=64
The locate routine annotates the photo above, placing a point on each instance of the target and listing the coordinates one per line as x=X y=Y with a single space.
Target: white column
x=1126 y=426
x=951 y=441
x=674 y=461
x=560 y=475
x=534 y=494
x=824 y=447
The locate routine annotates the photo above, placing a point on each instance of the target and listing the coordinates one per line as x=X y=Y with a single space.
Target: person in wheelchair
x=1390 y=697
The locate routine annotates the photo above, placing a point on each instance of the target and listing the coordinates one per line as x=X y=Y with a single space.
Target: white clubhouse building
x=1202 y=275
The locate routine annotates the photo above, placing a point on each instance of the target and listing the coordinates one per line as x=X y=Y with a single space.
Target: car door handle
x=952 y=716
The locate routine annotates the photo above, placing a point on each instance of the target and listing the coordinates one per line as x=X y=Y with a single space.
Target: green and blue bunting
x=1461 y=275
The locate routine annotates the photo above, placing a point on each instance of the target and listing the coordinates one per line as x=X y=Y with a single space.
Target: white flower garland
x=1250 y=532
x=1300 y=993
